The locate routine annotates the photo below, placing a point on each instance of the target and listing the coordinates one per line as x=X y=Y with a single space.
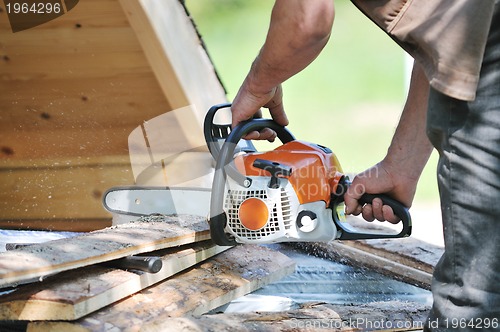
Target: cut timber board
x=404 y=265
x=77 y=293
x=43 y=259
x=229 y=275
x=311 y=317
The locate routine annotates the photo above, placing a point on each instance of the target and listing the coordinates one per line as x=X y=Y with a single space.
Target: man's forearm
x=410 y=148
x=298 y=32
x=397 y=175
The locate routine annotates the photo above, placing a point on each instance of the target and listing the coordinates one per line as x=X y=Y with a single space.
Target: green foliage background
x=348 y=99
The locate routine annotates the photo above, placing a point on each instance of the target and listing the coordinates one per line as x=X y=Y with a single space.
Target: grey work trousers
x=466 y=283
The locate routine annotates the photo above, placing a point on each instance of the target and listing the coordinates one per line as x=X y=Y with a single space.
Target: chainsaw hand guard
x=224 y=157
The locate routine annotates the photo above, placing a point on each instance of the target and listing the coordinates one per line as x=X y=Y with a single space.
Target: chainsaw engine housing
x=293 y=207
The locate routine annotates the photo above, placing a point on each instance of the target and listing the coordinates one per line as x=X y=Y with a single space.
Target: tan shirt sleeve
x=447 y=37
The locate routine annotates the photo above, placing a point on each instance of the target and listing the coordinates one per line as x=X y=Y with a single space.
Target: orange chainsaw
x=292 y=193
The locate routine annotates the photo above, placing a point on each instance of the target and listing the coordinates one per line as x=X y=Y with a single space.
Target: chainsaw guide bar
x=141 y=201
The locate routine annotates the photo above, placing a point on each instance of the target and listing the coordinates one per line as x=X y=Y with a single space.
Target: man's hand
x=247 y=105
x=381 y=178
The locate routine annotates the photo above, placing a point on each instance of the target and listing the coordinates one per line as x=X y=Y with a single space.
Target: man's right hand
x=380 y=179
x=247 y=105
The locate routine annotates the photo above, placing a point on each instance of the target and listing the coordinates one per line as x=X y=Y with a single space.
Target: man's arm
x=397 y=175
x=298 y=31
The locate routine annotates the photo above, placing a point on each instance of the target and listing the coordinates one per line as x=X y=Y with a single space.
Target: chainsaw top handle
x=228 y=150
x=217 y=134
x=221 y=136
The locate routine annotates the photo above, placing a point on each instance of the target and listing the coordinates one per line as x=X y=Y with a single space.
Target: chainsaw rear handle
x=225 y=166
x=348 y=233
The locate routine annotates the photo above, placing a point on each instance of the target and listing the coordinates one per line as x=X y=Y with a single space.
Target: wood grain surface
x=74 y=294
x=231 y=274
x=40 y=260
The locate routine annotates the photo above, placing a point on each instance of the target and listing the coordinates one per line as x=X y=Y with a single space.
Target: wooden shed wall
x=72 y=90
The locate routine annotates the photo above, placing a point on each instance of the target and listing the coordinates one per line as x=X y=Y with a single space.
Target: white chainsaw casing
x=283 y=207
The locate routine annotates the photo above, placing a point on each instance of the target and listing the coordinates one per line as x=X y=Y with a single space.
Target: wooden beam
x=229 y=275
x=174 y=49
x=74 y=294
x=43 y=259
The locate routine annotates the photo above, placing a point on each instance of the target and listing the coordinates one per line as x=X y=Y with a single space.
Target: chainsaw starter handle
x=399 y=210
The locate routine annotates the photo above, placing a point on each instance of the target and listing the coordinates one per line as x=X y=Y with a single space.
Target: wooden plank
x=400 y=266
x=215 y=282
x=74 y=294
x=308 y=317
x=112 y=243
x=64 y=162
x=64 y=143
x=25 y=42
x=127 y=100
x=84 y=65
x=407 y=259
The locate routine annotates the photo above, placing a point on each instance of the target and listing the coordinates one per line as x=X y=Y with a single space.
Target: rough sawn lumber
x=387 y=316
x=407 y=259
x=74 y=294
x=405 y=265
x=231 y=274
x=43 y=259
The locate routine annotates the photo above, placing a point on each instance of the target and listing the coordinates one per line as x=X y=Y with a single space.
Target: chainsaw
x=292 y=193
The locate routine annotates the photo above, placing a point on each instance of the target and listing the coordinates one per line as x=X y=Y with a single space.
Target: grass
x=348 y=99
